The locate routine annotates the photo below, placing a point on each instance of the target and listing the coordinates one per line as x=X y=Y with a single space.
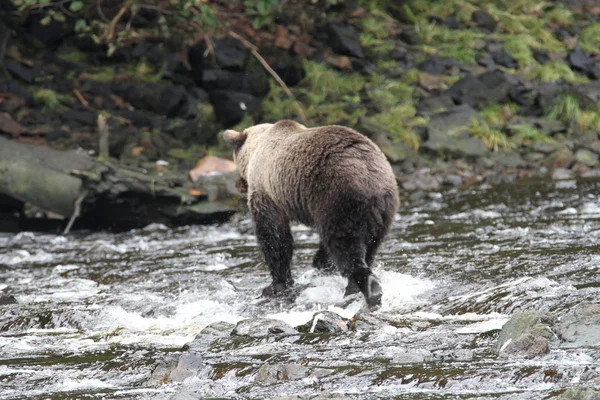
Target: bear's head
x=244 y=144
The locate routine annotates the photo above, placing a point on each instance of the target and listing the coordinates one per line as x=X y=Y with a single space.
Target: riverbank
x=455 y=95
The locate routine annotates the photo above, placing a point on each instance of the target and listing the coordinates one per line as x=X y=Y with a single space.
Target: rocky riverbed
x=488 y=293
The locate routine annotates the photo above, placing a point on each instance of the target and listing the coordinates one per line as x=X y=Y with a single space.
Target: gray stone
x=449 y=132
x=434 y=104
x=209 y=334
x=344 y=39
x=189 y=364
x=412 y=357
x=480 y=91
x=579 y=394
x=561 y=174
x=7 y=299
x=543 y=147
x=364 y=321
x=508 y=159
x=525 y=335
x=452 y=180
x=562 y=158
x=581 y=326
x=272 y=373
x=453 y=355
x=261 y=327
x=586 y=157
x=394 y=151
x=326 y=322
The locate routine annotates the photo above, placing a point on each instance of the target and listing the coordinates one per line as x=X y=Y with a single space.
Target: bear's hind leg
x=322 y=260
x=275 y=240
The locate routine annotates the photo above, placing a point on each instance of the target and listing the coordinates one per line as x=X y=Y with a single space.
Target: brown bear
x=330 y=178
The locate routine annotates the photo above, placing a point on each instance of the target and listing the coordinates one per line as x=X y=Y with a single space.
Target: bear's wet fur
x=330 y=178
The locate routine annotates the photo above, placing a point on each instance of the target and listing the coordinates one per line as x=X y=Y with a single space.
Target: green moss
x=455 y=44
x=527 y=135
x=387 y=92
x=589 y=39
x=143 y=71
x=73 y=56
x=181 y=154
x=498 y=114
x=553 y=71
x=589 y=120
x=375 y=33
x=460 y=9
x=493 y=139
x=50 y=99
x=400 y=121
x=519 y=47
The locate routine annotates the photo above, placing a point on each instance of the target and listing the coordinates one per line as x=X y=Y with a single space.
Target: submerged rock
x=7 y=299
x=453 y=355
x=412 y=357
x=525 y=335
x=209 y=334
x=261 y=327
x=189 y=364
x=579 y=394
x=581 y=326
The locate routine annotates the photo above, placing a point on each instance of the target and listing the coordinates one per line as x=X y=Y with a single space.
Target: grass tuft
x=492 y=138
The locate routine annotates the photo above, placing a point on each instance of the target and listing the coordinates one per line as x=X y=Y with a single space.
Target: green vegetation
x=459 y=45
x=142 y=71
x=50 y=99
x=497 y=115
x=589 y=39
x=525 y=135
x=493 y=139
x=567 y=108
x=400 y=121
x=553 y=71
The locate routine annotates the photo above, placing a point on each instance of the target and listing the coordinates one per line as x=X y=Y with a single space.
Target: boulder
x=449 y=132
x=434 y=104
x=268 y=374
x=7 y=299
x=504 y=59
x=438 y=66
x=586 y=157
x=412 y=357
x=343 y=39
x=229 y=54
x=453 y=355
x=484 y=20
x=189 y=364
x=49 y=34
x=579 y=393
x=20 y=71
x=261 y=327
x=289 y=67
x=230 y=107
x=581 y=326
x=209 y=334
x=483 y=90
x=525 y=335
x=325 y=322
x=255 y=83
x=167 y=100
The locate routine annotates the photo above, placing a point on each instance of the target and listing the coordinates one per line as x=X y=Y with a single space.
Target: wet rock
x=231 y=107
x=421 y=181
x=261 y=327
x=7 y=299
x=167 y=100
x=268 y=374
x=343 y=39
x=21 y=71
x=586 y=157
x=544 y=147
x=453 y=355
x=325 y=322
x=209 y=334
x=581 y=326
x=484 y=20
x=561 y=174
x=501 y=57
x=452 y=180
x=562 y=158
x=507 y=159
x=483 y=90
x=412 y=357
x=525 y=335
x=364 y=321
x=579 y=393
x=256 y=84
x=189 y=364
x=449 y=132
x=434 y=104
x=160 y=375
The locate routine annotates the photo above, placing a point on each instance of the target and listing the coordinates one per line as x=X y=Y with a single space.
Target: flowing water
x=96 y=312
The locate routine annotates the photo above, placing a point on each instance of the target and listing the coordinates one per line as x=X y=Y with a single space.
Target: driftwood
x=97 y=194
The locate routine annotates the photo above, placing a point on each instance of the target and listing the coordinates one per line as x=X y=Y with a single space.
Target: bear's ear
x=234 y=138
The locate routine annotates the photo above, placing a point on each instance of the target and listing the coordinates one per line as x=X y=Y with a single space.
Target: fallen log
x=100 y=194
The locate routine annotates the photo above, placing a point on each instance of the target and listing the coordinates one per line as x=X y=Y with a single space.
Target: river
x=96 y=312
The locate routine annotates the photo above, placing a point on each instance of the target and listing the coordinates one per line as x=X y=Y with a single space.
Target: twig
x=81 y=99
x=103 y=141
x=76 y=211
x=254 y=50
x=210 y=48
x=115 y=20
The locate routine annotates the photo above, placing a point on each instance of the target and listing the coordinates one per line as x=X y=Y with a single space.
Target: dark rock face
x=49 y=34
x=7 y=299
x=581 y=326
x=81 y=117
x=166 y=100
x=230 y=107
x=261 y=327
x=343 y=39
x=437 y=66
x=254 y=83
x=483 y=90
x=229 y=54
x=525 y=335
x=484 y=20
x=581 y=62
x=449 y=132
x=20 y=71
x=501 y=57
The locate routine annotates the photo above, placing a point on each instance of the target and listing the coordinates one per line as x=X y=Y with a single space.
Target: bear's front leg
x=275 y=240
